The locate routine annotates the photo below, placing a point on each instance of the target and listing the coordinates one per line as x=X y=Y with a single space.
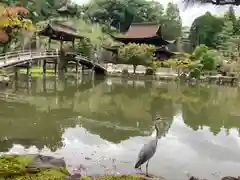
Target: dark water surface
x=101 y=125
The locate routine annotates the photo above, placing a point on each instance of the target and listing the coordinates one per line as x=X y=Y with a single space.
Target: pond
x=99 y=126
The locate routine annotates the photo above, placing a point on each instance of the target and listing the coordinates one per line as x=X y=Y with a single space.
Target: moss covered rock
x=20 y=167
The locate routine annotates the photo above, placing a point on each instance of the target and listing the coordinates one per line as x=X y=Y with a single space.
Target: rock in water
x=40 y=161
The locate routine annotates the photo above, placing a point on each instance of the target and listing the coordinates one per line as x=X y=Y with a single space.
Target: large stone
x=37 y=167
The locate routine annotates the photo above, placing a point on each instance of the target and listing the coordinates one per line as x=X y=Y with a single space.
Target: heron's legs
x=147 y=168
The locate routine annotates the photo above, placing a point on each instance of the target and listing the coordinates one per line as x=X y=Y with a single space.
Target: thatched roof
x=60 y=32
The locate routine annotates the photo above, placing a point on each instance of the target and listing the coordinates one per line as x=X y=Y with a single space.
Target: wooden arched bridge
x=18 y=58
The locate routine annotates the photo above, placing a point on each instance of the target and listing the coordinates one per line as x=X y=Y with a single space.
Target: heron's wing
x=148 y=150
x=142 y=158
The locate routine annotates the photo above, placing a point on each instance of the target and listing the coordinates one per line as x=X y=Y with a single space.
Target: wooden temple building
x=61 y=33
x=144 y=33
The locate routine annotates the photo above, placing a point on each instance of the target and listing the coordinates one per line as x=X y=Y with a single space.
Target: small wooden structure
x=145 y=33
x=60 y=32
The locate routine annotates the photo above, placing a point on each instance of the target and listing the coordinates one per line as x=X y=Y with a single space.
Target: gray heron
x=147 y=151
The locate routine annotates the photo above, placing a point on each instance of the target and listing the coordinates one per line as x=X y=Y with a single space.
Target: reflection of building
x=145 y=33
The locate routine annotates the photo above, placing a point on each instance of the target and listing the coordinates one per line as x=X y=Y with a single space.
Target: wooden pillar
x=49 y=43
x=82 y=70
x=29 y=69
x=61 y=46
x=44 y=67
x=93 y=72
x=29 y=76
x=82 y=73
x=73 y=45
x=15 y=86
x=76 y=67
x=56 y=67
x=44 y=84
x=16 y=73
x=55 y=86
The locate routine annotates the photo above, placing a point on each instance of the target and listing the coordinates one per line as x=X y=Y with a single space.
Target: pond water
x=100 y=126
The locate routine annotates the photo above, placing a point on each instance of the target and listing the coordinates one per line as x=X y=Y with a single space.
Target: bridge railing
x=18 y=55
x=90 y=59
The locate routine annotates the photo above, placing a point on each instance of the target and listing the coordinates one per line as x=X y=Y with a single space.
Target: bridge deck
x=12 y=59
x=20 y=57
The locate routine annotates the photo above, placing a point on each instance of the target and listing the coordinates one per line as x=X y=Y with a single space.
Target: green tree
x=204 y=30
x=208 y=61
x=199 y=51
x=137 y=54
x=120 y=14
x=207 y=57
x=230 y=15
x=227 y=42
x=172 y=22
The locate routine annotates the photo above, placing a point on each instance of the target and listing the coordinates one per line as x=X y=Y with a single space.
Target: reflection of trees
x=21 y=123
x=128 y=109
x=117 y=113
x=124 y=105
x=210 y=107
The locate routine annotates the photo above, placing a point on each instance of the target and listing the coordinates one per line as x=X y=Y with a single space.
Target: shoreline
x=5 y=79
x=40 y=167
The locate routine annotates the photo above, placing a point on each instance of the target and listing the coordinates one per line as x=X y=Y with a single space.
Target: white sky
x=190 y=13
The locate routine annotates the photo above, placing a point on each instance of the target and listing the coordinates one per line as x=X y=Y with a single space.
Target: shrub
x=137 y=54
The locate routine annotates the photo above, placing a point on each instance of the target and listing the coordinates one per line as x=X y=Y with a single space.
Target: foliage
x=208 y=61
x=199 y=51
x=12 y=20
x=172 y=20
x=227 y=42
x=39 y=10
x=204 y=30
x=137 y=54
x=120 y=14
x=183 y=62
x=207 y=57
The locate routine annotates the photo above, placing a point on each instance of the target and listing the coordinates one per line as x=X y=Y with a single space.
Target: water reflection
x=111 y=119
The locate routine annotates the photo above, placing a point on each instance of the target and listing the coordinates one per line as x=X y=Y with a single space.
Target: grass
x=37 y=71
